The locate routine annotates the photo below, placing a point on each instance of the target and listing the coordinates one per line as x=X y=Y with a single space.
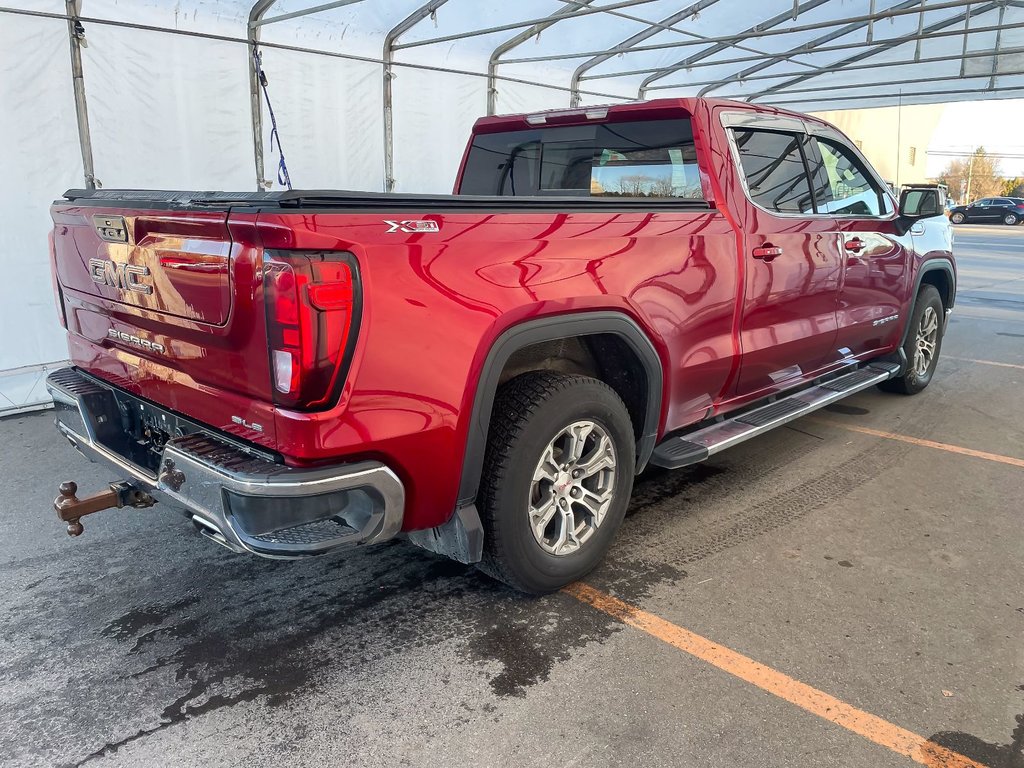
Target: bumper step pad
x=698 y=445
x=309 y=533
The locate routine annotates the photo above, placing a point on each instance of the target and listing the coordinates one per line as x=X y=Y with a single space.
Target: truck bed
x=342 y=200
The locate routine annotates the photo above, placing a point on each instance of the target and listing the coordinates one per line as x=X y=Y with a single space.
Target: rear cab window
x=652 y=159
x=773 y=168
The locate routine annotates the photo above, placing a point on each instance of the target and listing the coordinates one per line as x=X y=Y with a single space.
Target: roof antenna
x=282 y=167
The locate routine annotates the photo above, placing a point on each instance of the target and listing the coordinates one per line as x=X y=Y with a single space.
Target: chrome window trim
x=763 y=121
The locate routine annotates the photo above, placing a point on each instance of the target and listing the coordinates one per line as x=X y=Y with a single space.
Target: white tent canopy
x=370 y=90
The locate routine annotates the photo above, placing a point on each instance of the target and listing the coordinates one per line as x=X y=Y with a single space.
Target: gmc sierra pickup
x=485 y=373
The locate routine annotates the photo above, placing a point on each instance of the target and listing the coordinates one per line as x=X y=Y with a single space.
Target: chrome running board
x=696 y=446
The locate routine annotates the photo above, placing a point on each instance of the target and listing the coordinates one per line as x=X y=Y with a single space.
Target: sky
x=997 y=125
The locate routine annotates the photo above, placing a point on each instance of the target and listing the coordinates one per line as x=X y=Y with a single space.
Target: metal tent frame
x=780 y=24
x=803 y=82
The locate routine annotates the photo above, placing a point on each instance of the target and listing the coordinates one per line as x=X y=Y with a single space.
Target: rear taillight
x=55 y=282
x=312 y=304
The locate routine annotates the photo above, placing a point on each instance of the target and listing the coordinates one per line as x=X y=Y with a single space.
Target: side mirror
x=920 y=203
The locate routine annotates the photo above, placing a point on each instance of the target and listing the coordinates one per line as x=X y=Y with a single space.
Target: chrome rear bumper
x=235 y=496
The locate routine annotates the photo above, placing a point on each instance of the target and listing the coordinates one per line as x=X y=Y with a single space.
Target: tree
x=1013 y=187
x=972 y=177
x=635 y=185
x=661 y=187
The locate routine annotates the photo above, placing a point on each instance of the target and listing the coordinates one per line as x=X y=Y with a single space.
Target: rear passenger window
x=841 y=185
x=655 y=158
x=773 y=166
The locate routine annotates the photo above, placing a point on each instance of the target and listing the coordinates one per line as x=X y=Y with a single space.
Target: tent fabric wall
x=330 y=120
x=181 y=124
x=39 y=145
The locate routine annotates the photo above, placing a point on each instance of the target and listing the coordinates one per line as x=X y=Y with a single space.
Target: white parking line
x=998 y=245
x=984 y=362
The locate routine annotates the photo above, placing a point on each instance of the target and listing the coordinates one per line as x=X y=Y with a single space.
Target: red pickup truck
x=485 y=373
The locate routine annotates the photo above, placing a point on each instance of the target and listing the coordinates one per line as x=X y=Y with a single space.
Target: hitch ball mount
x=71 y=509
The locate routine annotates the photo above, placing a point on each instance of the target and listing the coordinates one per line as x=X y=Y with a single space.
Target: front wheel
x=1011 y=219
x=558 y=473
x=924 y=340
x=957 y=218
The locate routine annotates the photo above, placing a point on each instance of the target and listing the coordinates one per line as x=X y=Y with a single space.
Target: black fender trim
x=550 y=329
x=461 y=538
x=930 y=266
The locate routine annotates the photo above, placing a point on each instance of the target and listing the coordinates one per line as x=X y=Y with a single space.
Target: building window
x=912 y=155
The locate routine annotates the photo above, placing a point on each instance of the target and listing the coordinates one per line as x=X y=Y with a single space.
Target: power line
x=997 y=155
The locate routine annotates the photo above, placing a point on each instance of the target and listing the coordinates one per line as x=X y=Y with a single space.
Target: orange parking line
x=986 y=362
x=1011 y=460
x=812 y=700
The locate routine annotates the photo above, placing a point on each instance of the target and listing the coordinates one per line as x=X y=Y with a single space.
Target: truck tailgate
x=170 y=263
x=167 y=304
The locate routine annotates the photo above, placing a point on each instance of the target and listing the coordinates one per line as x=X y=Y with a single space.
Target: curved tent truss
x=806 y=54
x=791 y=61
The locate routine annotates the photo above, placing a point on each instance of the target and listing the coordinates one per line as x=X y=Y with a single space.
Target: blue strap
x=282 y=167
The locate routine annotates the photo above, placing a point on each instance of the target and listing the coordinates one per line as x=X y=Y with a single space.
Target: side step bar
x=694 y=447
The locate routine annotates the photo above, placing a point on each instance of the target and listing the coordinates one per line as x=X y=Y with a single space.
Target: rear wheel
x=924 y=340
x=957 y=218
x=557 y=478
x=1011 y=219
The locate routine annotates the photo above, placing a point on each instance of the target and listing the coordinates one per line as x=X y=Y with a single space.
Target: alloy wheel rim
x=927 y=339
x=572 y=488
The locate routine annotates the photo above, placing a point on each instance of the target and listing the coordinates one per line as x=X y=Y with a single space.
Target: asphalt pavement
x=808 y=598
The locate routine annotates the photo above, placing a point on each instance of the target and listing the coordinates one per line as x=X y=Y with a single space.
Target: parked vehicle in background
x=486 y=372
x=990 y=210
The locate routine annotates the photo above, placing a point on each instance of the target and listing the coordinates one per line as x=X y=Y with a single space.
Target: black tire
x=1011 y=219
x=913 y=381
x=957 y=218
x=529 y=413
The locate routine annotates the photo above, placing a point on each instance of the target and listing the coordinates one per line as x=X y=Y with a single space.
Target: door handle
x=766 y=252
x=854 y=245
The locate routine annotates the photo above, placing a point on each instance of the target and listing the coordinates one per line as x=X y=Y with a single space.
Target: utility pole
x=970 y=175
x=899 y=127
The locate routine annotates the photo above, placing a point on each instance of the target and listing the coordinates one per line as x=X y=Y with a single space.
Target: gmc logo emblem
x=124 y=277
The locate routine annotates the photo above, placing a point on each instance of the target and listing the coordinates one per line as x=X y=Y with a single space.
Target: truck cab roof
x=631 y=110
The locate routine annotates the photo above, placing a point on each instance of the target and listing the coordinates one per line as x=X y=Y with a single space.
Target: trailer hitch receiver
x=71 y=509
